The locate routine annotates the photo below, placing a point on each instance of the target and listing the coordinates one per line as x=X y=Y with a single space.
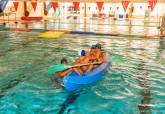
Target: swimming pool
x=133 y=85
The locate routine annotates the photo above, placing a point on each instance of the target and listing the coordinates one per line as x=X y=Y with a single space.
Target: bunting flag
x=16 y=5
x=34 y=5
x=76 y=6
x=54 y=5
x=100 y=5
x=48 y=7
x=89 y=8
x=110 y=8
x=82 y=8
x=152 y=4
x=141 y=7
x=69 y=8
x=125 y=4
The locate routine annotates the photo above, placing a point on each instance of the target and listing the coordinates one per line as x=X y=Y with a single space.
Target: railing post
x=8 y=18
x=162 y=26
x=15 y=19
x=4 y=19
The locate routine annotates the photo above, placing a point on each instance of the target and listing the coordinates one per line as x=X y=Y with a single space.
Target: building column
x=45 y=10
x=85 y=9
x=26 y=12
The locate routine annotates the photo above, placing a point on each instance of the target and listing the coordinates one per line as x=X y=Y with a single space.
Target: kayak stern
x=73 y=81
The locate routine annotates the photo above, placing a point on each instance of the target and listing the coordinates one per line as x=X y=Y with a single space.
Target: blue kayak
x=73 y=81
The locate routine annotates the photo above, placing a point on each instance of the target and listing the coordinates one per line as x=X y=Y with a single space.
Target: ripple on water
x=136 y=80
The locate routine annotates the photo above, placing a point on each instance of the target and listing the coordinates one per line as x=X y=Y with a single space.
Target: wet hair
x=83 y=53
x=98 y=46
x=93 y=47
x=64 y=60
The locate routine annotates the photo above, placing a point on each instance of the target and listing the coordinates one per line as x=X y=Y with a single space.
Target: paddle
x=61 y=67
x=57 y=68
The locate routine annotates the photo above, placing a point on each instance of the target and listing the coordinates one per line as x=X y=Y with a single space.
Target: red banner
x=34 y=5
x=152 y=4
x=125 y=4
x=76 y=6
x=54 y=5
x=100 y=5
x=16 y=5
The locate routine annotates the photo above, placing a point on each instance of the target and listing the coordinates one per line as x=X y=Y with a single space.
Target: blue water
x=134 y=85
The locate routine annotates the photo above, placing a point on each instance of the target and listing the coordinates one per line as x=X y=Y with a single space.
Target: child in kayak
x=78 y=70
x=59 y=75
x=79 y=61
x=64 y=72
x=95 y=55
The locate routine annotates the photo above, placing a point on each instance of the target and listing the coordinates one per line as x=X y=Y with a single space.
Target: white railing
x=8 y=15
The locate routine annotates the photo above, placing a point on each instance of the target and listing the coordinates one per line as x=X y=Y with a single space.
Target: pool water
x=133 y=85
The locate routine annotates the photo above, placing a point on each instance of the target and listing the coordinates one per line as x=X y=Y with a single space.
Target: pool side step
x=117 y=34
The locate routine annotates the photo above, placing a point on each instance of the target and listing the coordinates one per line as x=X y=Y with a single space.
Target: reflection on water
x=134 y=27
x=145 y=89
x=135 y=85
